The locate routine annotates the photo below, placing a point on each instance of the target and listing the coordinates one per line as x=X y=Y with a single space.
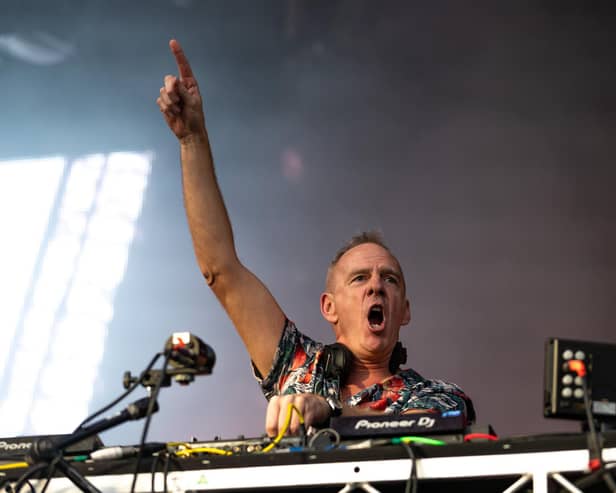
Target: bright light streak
x=28 y=189
x=61 y=341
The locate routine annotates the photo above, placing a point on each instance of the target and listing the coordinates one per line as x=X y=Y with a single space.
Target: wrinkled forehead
x=364 y=256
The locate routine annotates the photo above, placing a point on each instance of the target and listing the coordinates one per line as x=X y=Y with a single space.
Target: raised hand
x=180 y=100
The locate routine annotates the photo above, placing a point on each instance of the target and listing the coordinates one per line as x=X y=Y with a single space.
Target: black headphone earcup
x=398 y=357
x=337 y=359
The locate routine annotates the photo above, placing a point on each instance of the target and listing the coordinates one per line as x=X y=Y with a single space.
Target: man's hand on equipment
x=314 y=409
x=180 y=100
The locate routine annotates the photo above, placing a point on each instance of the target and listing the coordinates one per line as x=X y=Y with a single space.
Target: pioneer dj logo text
x=14 y=446
x=423 y=422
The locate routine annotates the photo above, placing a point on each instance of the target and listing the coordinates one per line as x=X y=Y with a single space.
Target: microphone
x=136 y=410
x=46 y=449
x=189 y=356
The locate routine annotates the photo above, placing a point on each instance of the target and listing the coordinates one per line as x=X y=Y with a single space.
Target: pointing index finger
x=180 y=60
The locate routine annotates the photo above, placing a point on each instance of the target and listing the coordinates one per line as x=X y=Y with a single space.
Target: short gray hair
x=364 y=237
x=372 y=236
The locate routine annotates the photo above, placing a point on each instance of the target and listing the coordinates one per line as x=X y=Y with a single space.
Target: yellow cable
x=291 y=407
x=190 y=449
x=14 y=465
x=206 y=450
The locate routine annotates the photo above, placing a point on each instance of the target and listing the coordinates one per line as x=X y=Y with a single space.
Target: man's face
x=366 y=302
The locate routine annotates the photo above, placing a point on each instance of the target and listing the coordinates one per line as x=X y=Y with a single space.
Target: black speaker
x=563 y=391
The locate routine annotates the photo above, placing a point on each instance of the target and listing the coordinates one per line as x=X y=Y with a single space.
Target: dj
x=365 y=301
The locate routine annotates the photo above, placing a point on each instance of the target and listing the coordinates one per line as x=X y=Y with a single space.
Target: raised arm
x=253 y=310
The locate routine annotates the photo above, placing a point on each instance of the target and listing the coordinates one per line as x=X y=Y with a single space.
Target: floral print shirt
x=297 y=369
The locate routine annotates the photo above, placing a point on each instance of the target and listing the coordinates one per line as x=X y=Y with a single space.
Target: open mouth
x=376 y=317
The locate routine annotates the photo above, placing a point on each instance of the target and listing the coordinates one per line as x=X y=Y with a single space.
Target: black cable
x=153 y=473
x=123 y=396
x=166 y=471
x=148 y=418
x=157 y=459
x=411 y=482
x=595 y=443
x=608 y=479
x=27 y=475
x=51 y=471
x=333 y=435
x=594 y=477
x=594 y=439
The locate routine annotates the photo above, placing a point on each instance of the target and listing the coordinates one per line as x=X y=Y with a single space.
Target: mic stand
x=47 y=451
x=74 y=475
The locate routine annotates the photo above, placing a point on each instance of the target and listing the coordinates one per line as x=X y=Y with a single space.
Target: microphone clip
x=187 y=356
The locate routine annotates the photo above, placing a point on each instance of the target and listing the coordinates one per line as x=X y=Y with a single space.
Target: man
x=365 y=300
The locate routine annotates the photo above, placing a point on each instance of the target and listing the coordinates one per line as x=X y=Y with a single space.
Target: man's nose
x=376 y=286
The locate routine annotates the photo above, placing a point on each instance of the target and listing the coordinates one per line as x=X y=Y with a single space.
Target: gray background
x=479 y=138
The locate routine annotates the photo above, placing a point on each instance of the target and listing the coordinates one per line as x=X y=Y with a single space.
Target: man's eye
x=391 y=279
x=359 y=277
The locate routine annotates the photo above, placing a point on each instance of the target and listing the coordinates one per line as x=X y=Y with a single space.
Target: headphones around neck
x=337 y=360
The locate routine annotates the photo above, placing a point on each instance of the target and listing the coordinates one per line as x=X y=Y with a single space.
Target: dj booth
x=427 y=452
x=541 y=463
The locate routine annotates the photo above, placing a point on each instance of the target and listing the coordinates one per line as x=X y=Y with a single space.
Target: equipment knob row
x=568 y=380
x=568 y=354
x=567 y=392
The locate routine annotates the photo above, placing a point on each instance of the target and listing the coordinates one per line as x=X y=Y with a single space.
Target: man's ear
x=328 y=308
x=407 y=313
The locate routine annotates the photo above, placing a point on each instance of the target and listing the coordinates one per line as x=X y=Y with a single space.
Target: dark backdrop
x=478 y=138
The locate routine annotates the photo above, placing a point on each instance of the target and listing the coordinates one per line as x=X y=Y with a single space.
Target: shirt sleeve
x=294 y=368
